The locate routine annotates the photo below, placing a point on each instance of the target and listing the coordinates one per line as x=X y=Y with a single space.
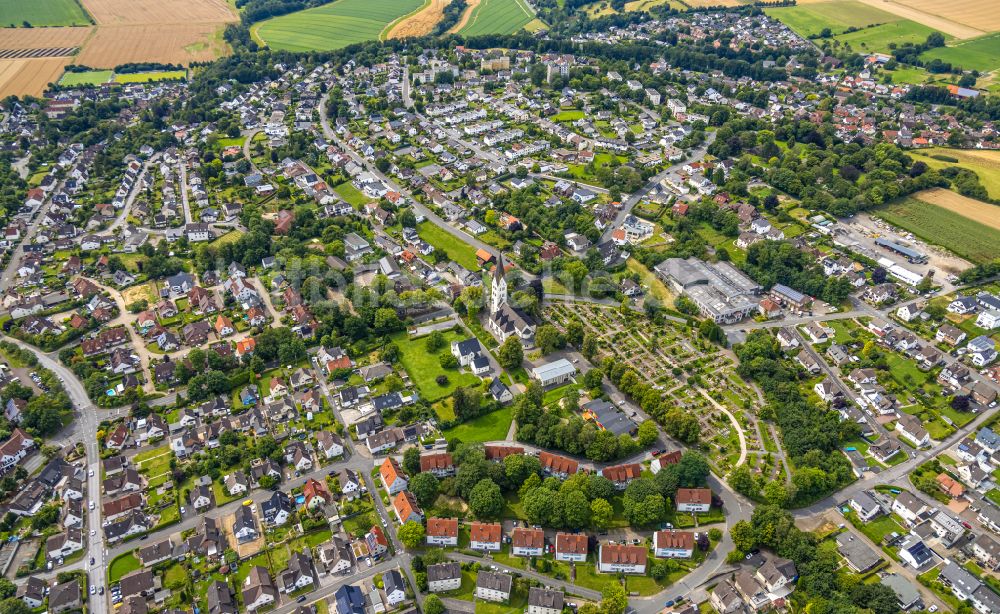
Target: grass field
x=498 y=17
x=810 y=19
x=966 y=238
x=42 y=13
x=333 y=26
x=982 y=54
x=880 y=37
x=984 y=162
x=491 y=427
x=146 y=77
x=122 y=565
x=91 y=77
x=457 y=250
x=424 y=366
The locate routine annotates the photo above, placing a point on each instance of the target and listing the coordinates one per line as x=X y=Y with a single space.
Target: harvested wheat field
x=29 y=77
x=470 y=8
x=984 y=213
x=42 y=38
x=116 y=12
x=420 y=23
x=175 y=44
x=959 y=18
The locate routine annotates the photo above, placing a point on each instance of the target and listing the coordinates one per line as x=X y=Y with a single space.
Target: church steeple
x=498 y=288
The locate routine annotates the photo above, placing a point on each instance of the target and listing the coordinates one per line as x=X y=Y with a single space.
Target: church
x=505 y=319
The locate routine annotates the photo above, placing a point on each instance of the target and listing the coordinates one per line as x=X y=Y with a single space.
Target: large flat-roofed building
x=720 y=291
x=555 y=372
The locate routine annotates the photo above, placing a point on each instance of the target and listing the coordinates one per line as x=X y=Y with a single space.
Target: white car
x=93 y=589
x=91 y=473
x=91 y=505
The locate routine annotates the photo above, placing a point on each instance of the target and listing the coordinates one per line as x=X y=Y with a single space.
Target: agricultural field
x=333 y=26
x=878 y=38
x=186 y=12
x=498 y=17
x=978 y=211
x=982 y=54
x=984 y=162
x=173 y=44
x=935 y=224
x=90 y=77
x=419 y=23
x=42 y=38
x=29 y=77
x=959 y=18
x=42 y=13
x=470 y=8
x=979 y=14
x=811 y=19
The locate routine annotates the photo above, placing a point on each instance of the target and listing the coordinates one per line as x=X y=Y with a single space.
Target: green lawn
x=424 y=366
x=13 y=13
x=490 y=427
x=334 y=25
x=122 y=565
x=568 y=115
x=90 y=77
x=457 y=250
x=351 y=195
x=146 y=77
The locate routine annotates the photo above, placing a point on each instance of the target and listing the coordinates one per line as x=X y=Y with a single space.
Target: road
x=696 y=154
x=182 y=175
x=133 y=193
x=84 y=429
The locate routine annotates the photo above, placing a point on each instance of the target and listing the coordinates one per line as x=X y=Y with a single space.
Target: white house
x=673 y=544
x=619 y=558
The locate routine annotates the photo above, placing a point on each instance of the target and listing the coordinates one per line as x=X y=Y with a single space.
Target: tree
x=511 y=353
x=614 y=600
x=435 y=341
x=519 y=467
x=576 y=512
x=743 y=536
x=775 y=493
x=411 y=534
x=648 y=433
x=692 y=470
x=433 y=605
x=411 y=461
x=424 y=487
x=7 y=588
x=486 y=500
x=13 y=605
x=601 y=514
x=548 y=338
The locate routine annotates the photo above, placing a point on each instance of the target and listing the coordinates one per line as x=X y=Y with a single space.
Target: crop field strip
x=942 y=226
x=498 y=17
x=334 y=25
x=29 y=76
x=910 y=9
x=811 y=19
x=419 y=23
x=43 y=13
x=54 y=52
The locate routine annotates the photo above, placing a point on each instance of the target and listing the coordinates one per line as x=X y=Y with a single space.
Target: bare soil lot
x=976 y=210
